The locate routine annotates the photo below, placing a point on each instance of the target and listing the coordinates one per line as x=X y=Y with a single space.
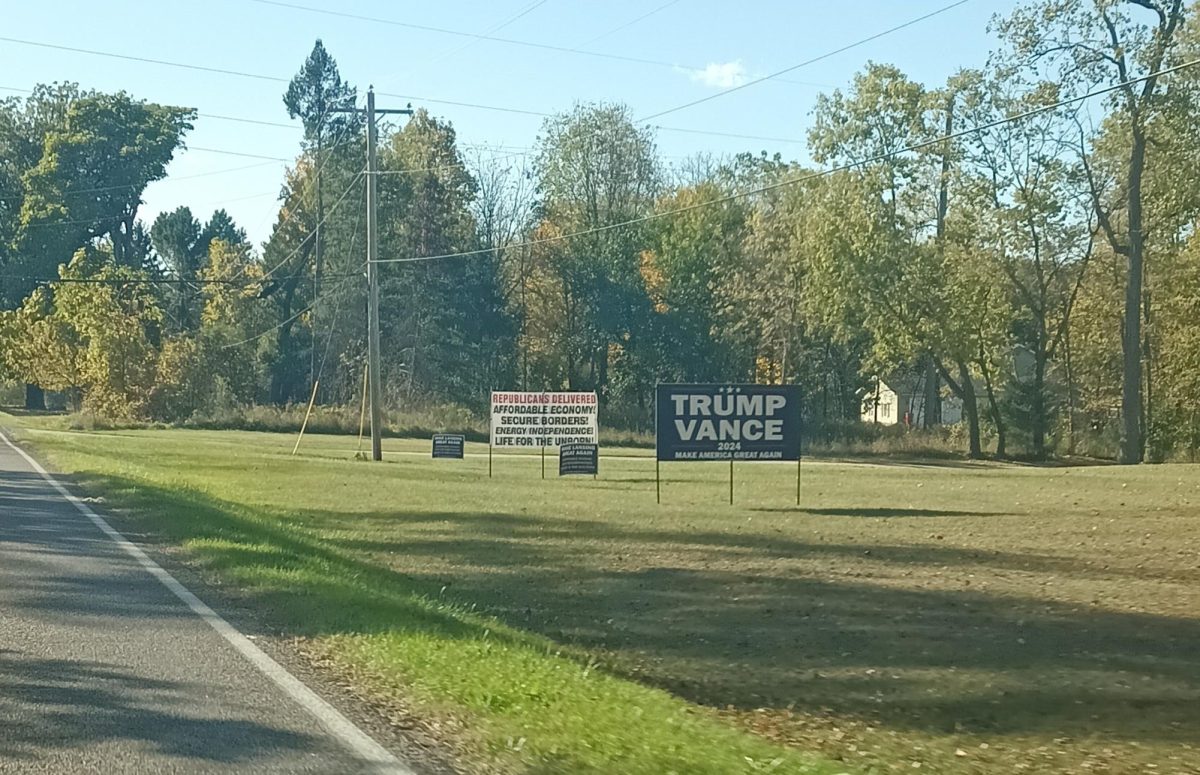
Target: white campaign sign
x=544 y=419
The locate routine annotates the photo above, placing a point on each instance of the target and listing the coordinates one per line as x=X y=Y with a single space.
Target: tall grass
x=342 y=421
x=843 y=438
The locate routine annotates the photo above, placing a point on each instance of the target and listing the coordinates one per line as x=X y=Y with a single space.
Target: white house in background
x=900 y=400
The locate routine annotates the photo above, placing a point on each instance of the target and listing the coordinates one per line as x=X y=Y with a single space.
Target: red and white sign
x=522 y=419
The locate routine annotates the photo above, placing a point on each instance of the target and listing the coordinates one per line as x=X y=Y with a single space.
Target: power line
x=100 y=189
x=491 y=38
x=321 y=163
x=517 y=16
x=235 y=153
x=341 y=311
x=493 y=29
x=630 y=23
x=256 y=76
x=728 y=134
x=170 y=179
x=459 y=103
x=140 y=280
x=102 y=221
x=289 y=319
x=114 y=281
x=258 y=122
x=312 y=233
x=454 y=166
x=199 y=114
x=480 y=36
x=805 y=63
x=219 y=172
x=811 y=176
x=338 y=141
x=145 y=60
x=463 y=34
x=248 y=197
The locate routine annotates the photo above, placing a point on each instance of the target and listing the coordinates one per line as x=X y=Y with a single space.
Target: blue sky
x=703 y=45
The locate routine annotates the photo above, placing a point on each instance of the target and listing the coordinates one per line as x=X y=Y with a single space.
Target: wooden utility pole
x=373 y=356
x=318 y=263
x=374 y=383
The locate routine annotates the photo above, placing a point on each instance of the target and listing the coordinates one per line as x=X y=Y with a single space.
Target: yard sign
x=728 y=422
x=540 y=420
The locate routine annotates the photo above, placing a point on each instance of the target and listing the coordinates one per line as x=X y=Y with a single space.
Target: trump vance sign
x=544 y=419
x=728 y=422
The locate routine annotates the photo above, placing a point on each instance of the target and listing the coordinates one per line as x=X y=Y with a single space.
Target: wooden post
x=307 y=414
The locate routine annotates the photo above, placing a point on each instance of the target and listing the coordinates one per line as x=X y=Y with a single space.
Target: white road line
x=328 y=716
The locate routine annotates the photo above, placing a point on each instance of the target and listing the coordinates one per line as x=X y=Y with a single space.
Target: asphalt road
x=105 y=669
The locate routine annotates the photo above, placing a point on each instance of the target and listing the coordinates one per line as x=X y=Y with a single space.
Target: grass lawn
x=954 y=618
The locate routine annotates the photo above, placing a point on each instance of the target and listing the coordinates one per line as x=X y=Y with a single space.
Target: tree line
x=1029 y=249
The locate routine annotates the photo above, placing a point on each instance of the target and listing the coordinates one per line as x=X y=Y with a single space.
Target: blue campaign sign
x=728 y=422
x=449 y=445
x=575 y=459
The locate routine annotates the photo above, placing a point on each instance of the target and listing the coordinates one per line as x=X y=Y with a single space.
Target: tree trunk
x=280 y=376
x=933 y=395
x=1195 y=436
x=1070 y=390
x=1130 y=450
x=601 y=379
x=971 y=410
x=783 y=364
x=524 y=321
x=1149 y=453
x=282 y=381
x=964 y=388
x=994 y=410
x=1037 y=409
x=1001 y=429
x=35 y=398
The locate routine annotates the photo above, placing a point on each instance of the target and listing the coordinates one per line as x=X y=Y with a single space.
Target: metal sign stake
x=797 y=481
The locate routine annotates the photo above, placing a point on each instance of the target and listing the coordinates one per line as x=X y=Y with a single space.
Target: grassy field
x=954 y=618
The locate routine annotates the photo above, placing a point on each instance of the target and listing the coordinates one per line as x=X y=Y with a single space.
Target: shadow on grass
x=950 y=460
x=20 y=411
x=875 y=512
x=743 y=625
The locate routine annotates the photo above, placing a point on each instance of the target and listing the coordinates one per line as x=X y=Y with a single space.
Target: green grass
x=967 y=618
